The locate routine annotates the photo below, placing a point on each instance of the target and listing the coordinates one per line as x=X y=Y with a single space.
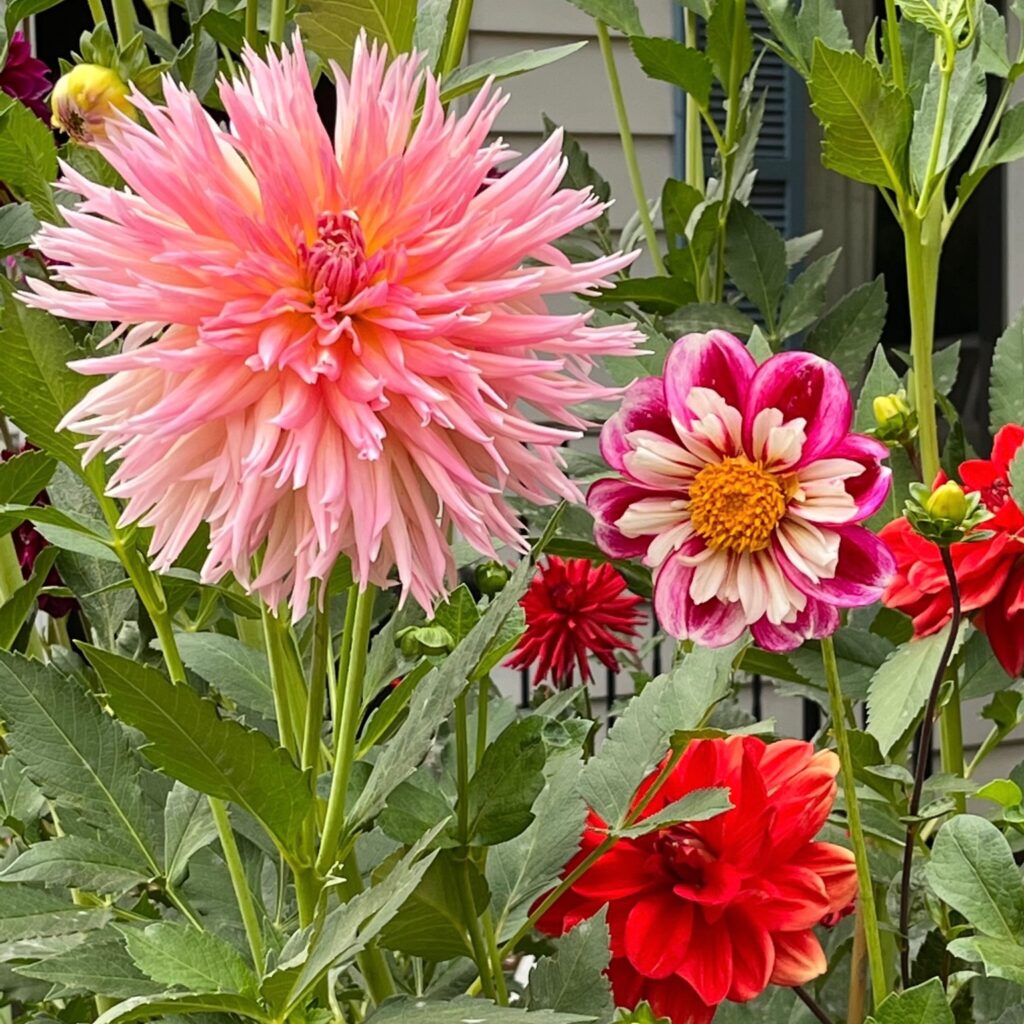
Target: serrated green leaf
x=188 y=741
x=1015 y=475
x=28 y=157
x=670 y=61
x=992 y=57
x=188 y=827
x=925 y=1004
x=431 y=28
x=75 y=753
x=24 y=476
x=330 y=27
x=573 y=978
x=420 y=1011
x=662 y=295
x=699 y=805
x=472 y=77
x=850 y=330
x=239 y=672
x=981 y=673
x=459 y=614
x=881 y=379
x=620 y=14
x=867 y=122
x=973 y=870
x=17 y=226
x=29 y=912
x=174 y=1003
x=804 y=301
x=1002 y=959
x=730 y=44
x=16 y=609
x=699 y=317
x=77 y=862
x=755 y=257
x=821 y=19
x=36 y=387
x=180 y=956
x=1006 y=386
x=899 y=688
x=581 y=174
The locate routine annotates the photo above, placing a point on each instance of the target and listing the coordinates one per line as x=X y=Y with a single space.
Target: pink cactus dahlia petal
x=742 y=488
x=330 y=344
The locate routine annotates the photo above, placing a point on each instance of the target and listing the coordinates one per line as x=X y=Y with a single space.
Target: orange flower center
x=736 y=504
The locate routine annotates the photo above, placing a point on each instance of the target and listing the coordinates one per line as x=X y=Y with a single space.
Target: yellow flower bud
x=85 y=97
x=948 y=502
x=891 y=411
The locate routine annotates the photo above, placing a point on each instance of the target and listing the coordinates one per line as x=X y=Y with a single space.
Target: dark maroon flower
x=25 y=77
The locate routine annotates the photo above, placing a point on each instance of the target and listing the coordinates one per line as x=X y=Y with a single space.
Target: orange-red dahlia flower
x=719 y=909
x=575 y=611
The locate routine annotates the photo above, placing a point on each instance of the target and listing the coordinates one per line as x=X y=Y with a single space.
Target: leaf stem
x=924 y=750
x=161 y=21
x=346 y=727
x=892 y=31
x=278 y=14
x=629 y=149
x=239 y=882
x=812 y=1004
x=455 y=43
x=867 y=909
x=318 y=675
x=99 y=15
x=947 y=65
x=279 y=670
x=124 y=21
x=694 y=139
x=252 y=30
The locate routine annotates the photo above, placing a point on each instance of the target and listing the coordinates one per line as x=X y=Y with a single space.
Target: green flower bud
x=424 y=641
x=895 y=420
x=948 y=502
x=491 y=578
x=946 y=515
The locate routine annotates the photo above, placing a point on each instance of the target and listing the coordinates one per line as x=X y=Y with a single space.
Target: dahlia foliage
x=432 y=591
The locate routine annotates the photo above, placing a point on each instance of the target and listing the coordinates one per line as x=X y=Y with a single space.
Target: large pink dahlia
x=331 y=344
x=742 y=487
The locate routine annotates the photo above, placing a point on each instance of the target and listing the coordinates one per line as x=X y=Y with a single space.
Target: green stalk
x=124 y=21
x=161 y=21
x=497 y=964
x=278 y=14
x=483 y=706
x=99 y=15
x=451 y=56
x=10 y=569
x=345 y=730
x=947 y=65
x=694 y=154
x=322 y=657
x=951 y=741
x=892 y=30
x=239 y=883
x=629 y=149
x=866 y=908
x=280 y=668
x=252 y=30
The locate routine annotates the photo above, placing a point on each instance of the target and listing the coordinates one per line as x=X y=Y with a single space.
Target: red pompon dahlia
x=335 y=344
x=25 y=77
x=989 y=572
x=575 y=611
x=719 y=909
x=743 y=489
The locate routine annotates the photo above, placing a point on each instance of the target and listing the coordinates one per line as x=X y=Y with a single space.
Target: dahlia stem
x=279 y=669
x=812 y=1004
x=124 y=21
x=858 y=974
x=924 y=750
x=879 y=984
x=252 y=24
x=629 y=149
x=99 y=16
x=456 y=41
x=497 y=961
x=483 y=707
x=694 y=153
x=243 y=895
x=278 y=12
x=318 y=676
x=161 y=20
x=10 y=569
x=892 y=33
x=346 y=727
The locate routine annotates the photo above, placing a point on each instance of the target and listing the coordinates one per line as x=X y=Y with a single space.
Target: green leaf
x=981 y=673
x=966 y=103
x=820 y=19
x=431 y=28
x=620 y=14
x=699 y=805
x=28 y=157
x=180 y=956
x=415 y=806
x=867 y=122
x=992 y=57
x=99 y=966
x=925 y=1004
x=419 y=1011
x=1004 y=792
x=80 y=863
x=472 y=77
x=881 y=379
x=1001 y=959
x=330 y=27
x=850 y=330
x=901 y=686
x=17 y=226
x=755 y=257
x=191 y=743
x=459 y=614
x=1006 y=385
x=432 y=701
x=639 y=738
x=75 y=753
x=672 y=62
x=188 y=827
x=239 y=672
x=24 y=477
x=581 y=174
x=17 y=608
x=623 y=370
x=804 y=300
x=973 y=870
x=1016 y=477
x=1009 y=142
x=28 y=912
x=730 y=44
x=573 y=978
x=184 y=1003
x=698 y=317
x=520 y=870
x=652 y=294
x=430 y=922
x=36 y=387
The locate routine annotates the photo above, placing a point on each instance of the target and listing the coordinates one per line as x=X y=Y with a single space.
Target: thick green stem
x=278 y=13
x=243 y=895
x=483 y=707
x=951 y=741
x=322 y=658
x=99 y=15
x=866 y=908
x=628 y=148
x=930 y=185
x=892 y=31
x=124 y=21
x=161 y=21
x=346 y=727
x=694 y=139
x=451 y=57
x=497 y=962
x=923 y=250
x=280 y=667
x=252 y=29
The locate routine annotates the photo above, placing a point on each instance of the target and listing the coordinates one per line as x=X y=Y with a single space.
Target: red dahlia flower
x=989 y=573
x=719 y=909
x=575 y=610
x=25 y=77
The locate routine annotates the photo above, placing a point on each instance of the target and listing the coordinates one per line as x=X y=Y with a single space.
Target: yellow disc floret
x=736 y=504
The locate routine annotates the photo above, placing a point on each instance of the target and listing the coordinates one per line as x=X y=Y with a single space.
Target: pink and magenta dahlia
x=330 y=343
x=742 y=487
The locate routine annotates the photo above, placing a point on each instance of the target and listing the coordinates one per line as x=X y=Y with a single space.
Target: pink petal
x=717 y=361
x=801 y=386
x=865 y=567
x=818 y=619
x=643 y=408
x=870 y=489
x=607 y=500
x=713 y=623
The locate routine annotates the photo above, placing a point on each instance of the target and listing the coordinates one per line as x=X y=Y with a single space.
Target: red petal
x=798 y=958
x=658 y=934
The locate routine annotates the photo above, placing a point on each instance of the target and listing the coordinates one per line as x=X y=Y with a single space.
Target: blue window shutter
x=778 y=193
